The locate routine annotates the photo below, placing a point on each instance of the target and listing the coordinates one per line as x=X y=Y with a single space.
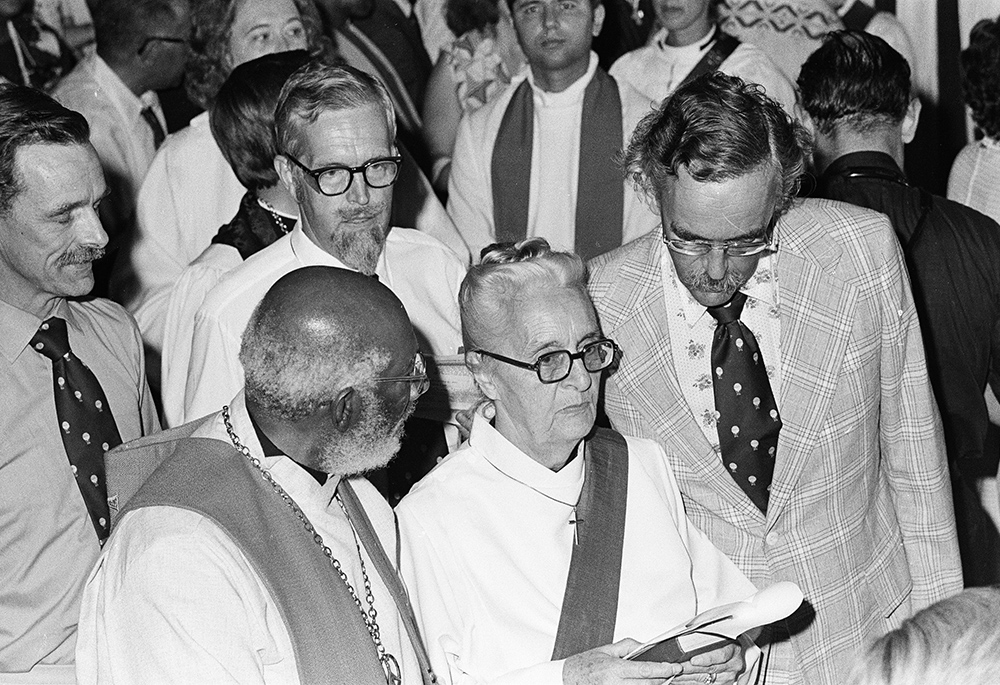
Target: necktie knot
x=730 y=311
x=51 y=339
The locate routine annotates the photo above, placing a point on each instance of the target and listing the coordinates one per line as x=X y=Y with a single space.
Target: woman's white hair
x=953 y=642
x=505 y=274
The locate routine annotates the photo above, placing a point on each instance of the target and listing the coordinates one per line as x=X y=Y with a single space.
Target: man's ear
x=484 y=379
x=598 y=20
x=285 y=174
x=911 y=119
x=346 y=409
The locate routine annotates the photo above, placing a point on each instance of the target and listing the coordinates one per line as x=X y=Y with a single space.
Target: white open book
x=720 y=625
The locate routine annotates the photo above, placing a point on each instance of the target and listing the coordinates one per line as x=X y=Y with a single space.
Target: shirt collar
x=19 y=326
x=700 y=45
x=845 y=8
x=291 y=476
x=569 y=96
x=871 y=159
x=130 y=105
x=564 y=484
x=309 y=253
x=271 y=450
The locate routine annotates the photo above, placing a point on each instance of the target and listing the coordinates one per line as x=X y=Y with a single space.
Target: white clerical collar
x=569 y=97
x=762 y=286
x=564 y=485
x=295 y=480
x=845 y=8
x=692 y=49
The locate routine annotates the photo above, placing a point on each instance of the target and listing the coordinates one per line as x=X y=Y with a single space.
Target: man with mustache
x=801 y=426
x=335 y=132
x=72 y=379
x=254 y=552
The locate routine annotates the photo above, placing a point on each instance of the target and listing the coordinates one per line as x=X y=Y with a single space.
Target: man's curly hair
x=208 y=56
x=717 y=127
x=981 y=76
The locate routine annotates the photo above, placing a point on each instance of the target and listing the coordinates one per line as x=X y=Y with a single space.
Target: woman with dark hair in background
x=477 y=66
x=190 y=190
x=975 y=174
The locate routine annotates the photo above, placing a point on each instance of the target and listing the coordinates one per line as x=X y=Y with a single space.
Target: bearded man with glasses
x=785 y=382
x=497 y=538
x=338 y=158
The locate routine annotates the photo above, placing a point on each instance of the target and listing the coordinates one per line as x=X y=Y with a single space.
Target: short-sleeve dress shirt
x=47 y=541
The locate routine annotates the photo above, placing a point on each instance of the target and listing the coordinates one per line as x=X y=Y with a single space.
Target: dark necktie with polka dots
x=748 y=419
x=86 y=425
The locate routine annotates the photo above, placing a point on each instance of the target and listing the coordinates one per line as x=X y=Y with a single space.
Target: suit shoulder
x=605 y=269
x=841 y=221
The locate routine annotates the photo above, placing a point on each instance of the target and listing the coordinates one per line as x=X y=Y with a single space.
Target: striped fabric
x=860 y=514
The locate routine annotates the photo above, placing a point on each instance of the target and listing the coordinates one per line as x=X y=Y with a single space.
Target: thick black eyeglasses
x=161 y=39
x=336 y=179
x=553 y=367
x=419 y=383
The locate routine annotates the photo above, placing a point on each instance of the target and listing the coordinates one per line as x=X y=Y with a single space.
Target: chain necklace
x=574 y=520
x=280 y=219
x=389 y=664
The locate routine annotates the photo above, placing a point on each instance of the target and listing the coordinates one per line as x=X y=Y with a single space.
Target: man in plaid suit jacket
x=860 y=513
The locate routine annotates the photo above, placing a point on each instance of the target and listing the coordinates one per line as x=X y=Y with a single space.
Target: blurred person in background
x=975 y=174
x=190 y=190
x=470 y=72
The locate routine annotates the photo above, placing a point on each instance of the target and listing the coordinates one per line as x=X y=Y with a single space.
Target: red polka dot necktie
x=748 y=421
x=86 y=425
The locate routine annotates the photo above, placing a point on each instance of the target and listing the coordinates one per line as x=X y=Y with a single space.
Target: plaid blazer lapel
x=648 y=378
x=817 y=315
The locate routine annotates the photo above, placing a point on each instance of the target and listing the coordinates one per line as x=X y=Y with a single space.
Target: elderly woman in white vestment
x=496 y=538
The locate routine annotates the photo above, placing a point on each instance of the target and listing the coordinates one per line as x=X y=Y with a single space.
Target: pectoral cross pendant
x=391 y=668
x=574 y=521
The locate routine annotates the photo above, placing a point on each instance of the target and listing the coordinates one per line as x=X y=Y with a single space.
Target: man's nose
x=550 y=16
x=716 y=263
x=90 y=231
x=358 y=193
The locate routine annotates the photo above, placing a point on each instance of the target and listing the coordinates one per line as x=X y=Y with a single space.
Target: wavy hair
x=28 y=117
x=242 y=116
x=981 y=76
x=208 y=54
x=319 y=87
x=717 y=127
x=505 y=272
x=855 y=80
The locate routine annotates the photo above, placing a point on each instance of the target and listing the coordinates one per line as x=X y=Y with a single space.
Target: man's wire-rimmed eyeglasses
x=336 y=179
x=418 y=380
x=553 y=367
x=730 y=248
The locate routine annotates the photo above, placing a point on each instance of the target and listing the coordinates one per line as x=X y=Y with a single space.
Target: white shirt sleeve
x=214 y=373
x=186 y=297
x=470 y=193
x=183 y=606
